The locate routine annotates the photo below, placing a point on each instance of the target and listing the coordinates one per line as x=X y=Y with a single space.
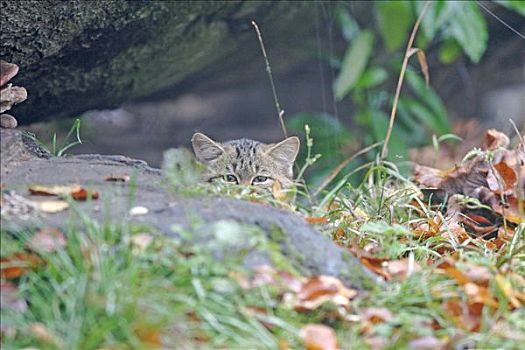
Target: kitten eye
x=260 y=179
x=230 y=178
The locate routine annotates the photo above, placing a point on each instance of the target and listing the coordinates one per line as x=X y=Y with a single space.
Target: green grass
x=101 y=291
x=59 y=149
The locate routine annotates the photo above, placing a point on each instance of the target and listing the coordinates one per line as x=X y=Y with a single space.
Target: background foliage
x=368 y=70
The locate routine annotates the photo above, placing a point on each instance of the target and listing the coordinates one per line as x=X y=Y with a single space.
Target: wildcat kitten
x=247 y=162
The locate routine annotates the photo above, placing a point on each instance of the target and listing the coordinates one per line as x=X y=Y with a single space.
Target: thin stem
x=384 y=151
x=280 y=112
x=341 y=166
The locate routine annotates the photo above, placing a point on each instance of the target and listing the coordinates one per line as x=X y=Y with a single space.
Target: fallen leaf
x=18 y=264
x=82 y=195
x=38 y=190
x=117 y=178
x=480 y=294
x=508 y=175
x=316 y=220
x=52 y=207
x=428 y=342
x=495 y=139
x=506 y=287
x=402 y=268
x=478 y=274
x=428 y=176
x=264 y=274
x=375 y=315
x=317 y=290
x=47 y=240
x=422 y=59
x=44 y=334
x=377 y=267
x=512 y=211
x=456 y=274
x=463 y=316
x=10 y=299
x=318 y=337
x=75 y=191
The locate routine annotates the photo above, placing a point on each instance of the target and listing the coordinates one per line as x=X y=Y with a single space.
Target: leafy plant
x=71 y=140
x=372 y=57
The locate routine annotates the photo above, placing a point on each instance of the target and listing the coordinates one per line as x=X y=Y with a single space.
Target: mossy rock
x=80 y=55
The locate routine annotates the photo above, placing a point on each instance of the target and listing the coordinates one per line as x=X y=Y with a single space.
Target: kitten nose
x=245 y=182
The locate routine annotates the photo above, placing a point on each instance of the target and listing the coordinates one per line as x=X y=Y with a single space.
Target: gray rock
x=307 y=249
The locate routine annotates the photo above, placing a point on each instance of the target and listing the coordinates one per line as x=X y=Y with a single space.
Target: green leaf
x=469 y=28
x=426 y=116
x=436 y=15
x=354 y=63
x=431 y=99
x=371 y=77
x=516 y=5
x=348 y=24
x=394 y=19
x=449 y=51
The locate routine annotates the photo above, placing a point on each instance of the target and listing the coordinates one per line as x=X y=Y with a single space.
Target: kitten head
x=247 y=162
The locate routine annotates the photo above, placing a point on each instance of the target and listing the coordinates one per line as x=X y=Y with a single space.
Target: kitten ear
x=285 y=150
x=205 y=148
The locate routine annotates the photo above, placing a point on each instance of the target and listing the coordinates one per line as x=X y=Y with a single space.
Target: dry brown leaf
x=53 y=206
x=47 y=240
x=427 y=176
x=83 y=195
x=480 y=294
x=377 y=267
x=18 y=264
x=44 y=334
x=506 y=288
x=117 y=178
x=508 y=175
x=478 y=274
x=463 y=316
x=317 y=290
x=316 y=220
x=38 y=190
x=264 y=274
x=512 y=211
x=422 y=59
x=402 y=268
x=318 y=337
x=456 y=274
x=495 y=139
x=75 y=191
x=375 y=315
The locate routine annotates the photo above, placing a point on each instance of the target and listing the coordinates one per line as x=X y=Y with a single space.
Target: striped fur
x=247 y=162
